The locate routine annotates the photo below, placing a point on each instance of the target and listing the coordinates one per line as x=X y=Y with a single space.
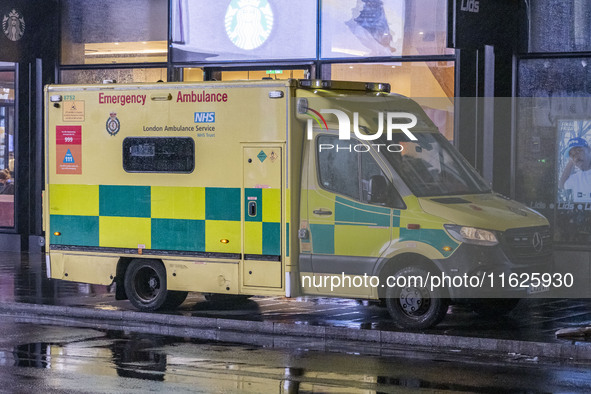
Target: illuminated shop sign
x=221 y=31
x=249 y=23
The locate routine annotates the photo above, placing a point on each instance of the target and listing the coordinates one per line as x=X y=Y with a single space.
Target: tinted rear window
x=159 y=154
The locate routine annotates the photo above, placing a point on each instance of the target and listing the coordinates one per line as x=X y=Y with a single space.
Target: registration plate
x=537 y=289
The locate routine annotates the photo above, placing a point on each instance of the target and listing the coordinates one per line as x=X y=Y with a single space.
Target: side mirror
x=378 y=189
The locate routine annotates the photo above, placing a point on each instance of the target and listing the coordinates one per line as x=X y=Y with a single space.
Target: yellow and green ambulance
x=278 y=188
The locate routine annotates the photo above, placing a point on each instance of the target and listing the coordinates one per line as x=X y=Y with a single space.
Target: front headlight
x=472 y=235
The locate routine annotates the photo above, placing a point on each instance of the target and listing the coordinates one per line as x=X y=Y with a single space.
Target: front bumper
x=487 y=272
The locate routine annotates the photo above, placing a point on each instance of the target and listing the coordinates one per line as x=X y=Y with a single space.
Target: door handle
x=161 y=98
x=322 y=212
x=252 y=208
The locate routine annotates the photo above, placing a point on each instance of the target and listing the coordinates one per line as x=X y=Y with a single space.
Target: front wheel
x=415 y=306
x=145 y=284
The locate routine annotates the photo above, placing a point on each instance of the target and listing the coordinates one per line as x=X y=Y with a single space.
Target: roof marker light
x=377 y=87
x=275 y=94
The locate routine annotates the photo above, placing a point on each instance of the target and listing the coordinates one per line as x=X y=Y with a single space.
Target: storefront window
x=124 y=75
x=7 y=153
x=193 y=74
x=196 y=74
x=553 y=139
x=559 y=26
x=431 y=84
x=361 y=28
x=113 y=31
x=257 y=75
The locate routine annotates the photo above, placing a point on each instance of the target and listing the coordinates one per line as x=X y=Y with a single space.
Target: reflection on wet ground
x=110 y=361
x=23 y=279
x=147 y=358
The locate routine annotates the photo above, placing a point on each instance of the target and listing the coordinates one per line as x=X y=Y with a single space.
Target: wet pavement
x=53 y=359
x=23 y=280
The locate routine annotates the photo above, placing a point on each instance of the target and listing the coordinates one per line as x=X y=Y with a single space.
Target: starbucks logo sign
x=13 y=25
x=249 y=23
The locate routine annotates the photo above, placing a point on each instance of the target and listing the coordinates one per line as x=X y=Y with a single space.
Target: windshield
x=431 y=166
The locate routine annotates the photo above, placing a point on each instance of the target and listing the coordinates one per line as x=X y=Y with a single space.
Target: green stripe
x=436 y=238
x=222 y=203
x=125 y=201
x=287 y=239
x=322 y=238
x=396 y=219
x=75 y=230
x=366 y=207
x=178 y=234
x=271 y=238
x=351 y=213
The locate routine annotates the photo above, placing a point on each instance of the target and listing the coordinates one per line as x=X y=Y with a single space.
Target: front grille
x=526 y=243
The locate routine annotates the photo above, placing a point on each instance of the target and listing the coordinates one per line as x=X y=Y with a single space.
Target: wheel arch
x=394 y=264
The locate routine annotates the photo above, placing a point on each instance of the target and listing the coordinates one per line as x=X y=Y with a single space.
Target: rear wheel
x=145 y=284
x=414 y=306
x=174 y=299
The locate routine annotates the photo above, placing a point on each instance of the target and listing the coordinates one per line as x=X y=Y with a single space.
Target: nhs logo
x=204 y=117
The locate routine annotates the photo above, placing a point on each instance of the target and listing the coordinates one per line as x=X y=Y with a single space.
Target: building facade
x=500 y=91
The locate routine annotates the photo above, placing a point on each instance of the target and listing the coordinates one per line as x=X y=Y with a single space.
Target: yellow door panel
x=262 y=273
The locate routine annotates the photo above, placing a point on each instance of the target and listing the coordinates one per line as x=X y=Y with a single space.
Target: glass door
x=7 y=154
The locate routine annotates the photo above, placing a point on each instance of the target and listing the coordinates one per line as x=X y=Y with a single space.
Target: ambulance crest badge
x=113 y=124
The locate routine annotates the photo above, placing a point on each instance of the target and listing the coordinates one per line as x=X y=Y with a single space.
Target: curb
x=269 y=333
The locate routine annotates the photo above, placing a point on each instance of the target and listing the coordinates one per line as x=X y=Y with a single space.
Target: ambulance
x=276 y=188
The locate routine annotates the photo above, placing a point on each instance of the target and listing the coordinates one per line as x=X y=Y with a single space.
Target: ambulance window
x=369 y=169
x=159 y=154
x=338 y=166
x=376 y=188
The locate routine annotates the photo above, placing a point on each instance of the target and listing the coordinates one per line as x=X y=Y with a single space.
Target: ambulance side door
x=349 y=228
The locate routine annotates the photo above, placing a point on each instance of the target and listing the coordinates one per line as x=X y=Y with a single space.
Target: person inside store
x=6 y=184
x=579 y=182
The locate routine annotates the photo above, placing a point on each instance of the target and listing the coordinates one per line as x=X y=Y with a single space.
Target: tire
x=495 y=307
x=413 y=307
x=226 y=298
x=145 y=284
x=174 y=299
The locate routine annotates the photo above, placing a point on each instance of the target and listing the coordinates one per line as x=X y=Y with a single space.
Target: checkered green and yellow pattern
x=192 y=219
